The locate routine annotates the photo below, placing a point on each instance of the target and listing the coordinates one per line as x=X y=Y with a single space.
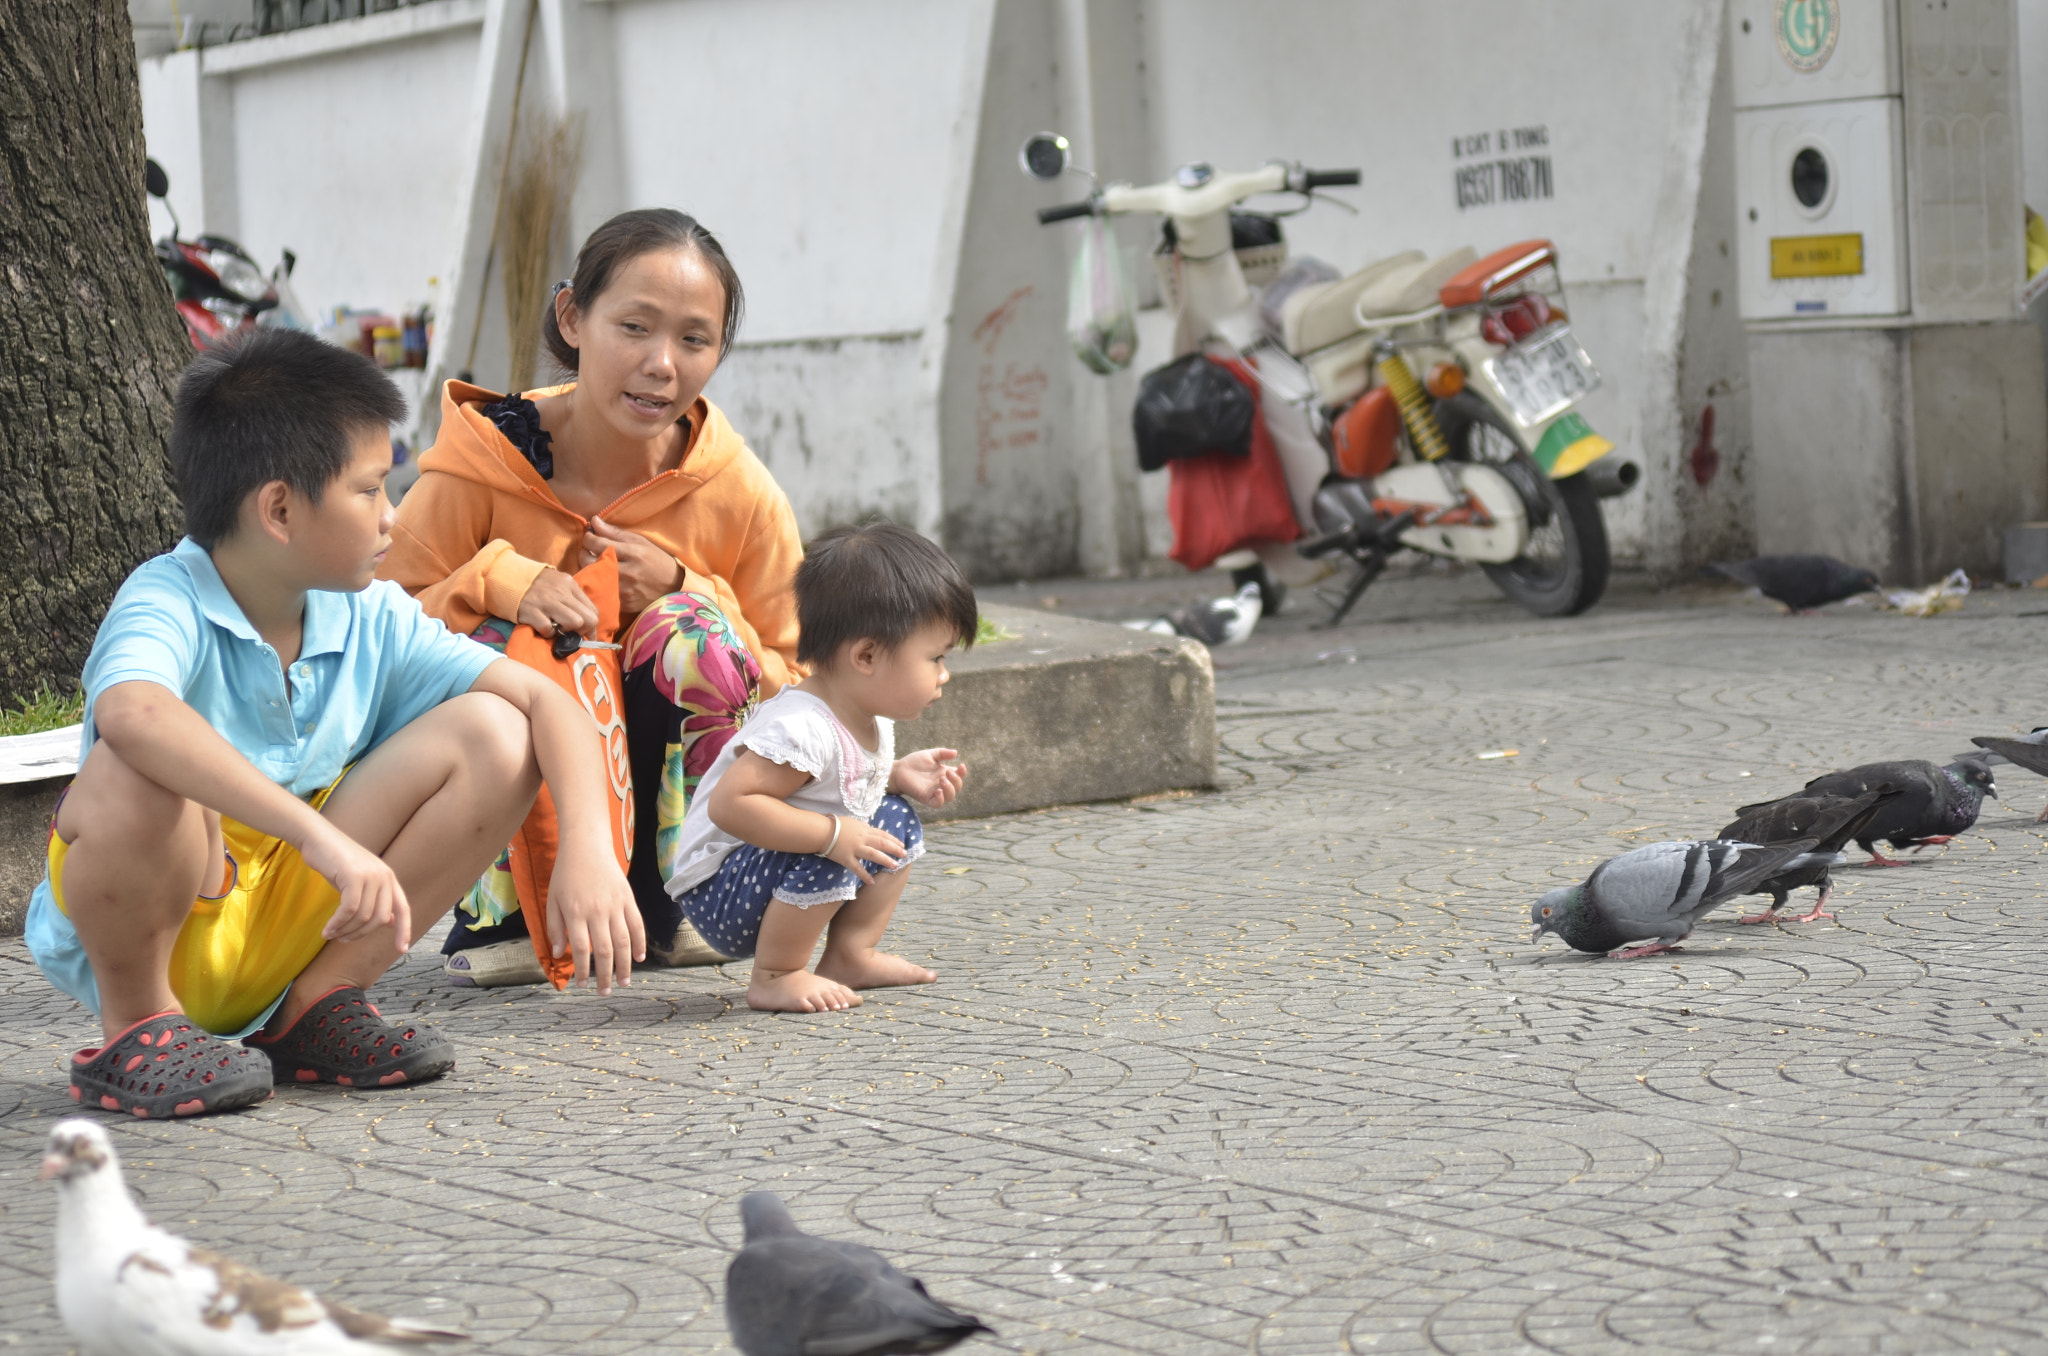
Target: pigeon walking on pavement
x=1802 y=583
x=788 y=1293
x=1833 y=820
x=1938 y=804
x=2029 y=751
x=128 y=1288
x=1655 y=894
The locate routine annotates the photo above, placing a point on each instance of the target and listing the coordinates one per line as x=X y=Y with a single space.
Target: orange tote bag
x=592 y=677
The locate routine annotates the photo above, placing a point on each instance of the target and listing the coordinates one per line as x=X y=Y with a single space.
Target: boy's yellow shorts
x=240 y=950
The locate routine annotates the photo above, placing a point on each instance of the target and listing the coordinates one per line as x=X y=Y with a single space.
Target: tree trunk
x=90 y=342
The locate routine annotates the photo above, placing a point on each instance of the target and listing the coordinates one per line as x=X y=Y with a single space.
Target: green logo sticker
x=1806 y=31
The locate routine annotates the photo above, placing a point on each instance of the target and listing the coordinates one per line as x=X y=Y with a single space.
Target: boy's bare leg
x=782 y=981
x=850 y=956
x=138 y=856
x=437 y=801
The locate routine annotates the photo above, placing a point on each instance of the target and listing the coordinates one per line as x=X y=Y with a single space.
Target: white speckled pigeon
x=1655 y=894
x=1802 y=583
x=788 y=1293
x=128 y=1288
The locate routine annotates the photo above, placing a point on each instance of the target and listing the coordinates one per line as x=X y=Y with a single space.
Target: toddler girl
x=801 y=826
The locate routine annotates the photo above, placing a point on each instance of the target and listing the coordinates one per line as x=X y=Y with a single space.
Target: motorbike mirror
x=154 y=179
x=1044 y=156
x=291 y=261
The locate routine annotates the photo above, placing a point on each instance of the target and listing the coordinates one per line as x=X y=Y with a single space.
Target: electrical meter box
x=1821 y=213
x=1802 y=51
x=1877 y=158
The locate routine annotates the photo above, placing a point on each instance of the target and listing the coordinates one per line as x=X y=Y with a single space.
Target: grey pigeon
x=1655 y=894
x=1801 y=583
x=788 y=1293
x=1834 y=820
x=2029 y=751
x=1938 y=804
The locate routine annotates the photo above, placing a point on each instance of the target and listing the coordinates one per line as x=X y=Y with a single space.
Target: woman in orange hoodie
x=521 y=491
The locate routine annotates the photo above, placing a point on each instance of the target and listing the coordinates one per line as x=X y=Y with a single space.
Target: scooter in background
x=1428 y=403
x=217 y=286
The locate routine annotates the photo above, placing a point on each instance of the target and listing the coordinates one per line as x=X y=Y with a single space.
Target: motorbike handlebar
x=1329 y=178
x=1065 y=211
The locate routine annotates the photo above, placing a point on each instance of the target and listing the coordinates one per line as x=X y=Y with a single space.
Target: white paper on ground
x=38 y=757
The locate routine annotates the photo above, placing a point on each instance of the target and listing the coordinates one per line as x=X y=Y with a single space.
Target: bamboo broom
x=535 y=202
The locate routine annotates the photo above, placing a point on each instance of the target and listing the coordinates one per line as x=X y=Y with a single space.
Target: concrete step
x=1071 y=711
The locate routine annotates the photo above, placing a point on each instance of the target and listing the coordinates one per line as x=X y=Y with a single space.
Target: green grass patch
x=44 y=709
x=986 y=631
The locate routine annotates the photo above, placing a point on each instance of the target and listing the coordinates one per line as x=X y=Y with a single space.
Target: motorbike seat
x=1327 y=312
x=1413 y=288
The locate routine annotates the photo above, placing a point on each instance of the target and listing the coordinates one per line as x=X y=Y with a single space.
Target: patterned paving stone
x=1269 y=1070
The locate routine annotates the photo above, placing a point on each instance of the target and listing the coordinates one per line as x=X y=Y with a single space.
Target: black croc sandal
x=343 y=1039
x=167 y=1066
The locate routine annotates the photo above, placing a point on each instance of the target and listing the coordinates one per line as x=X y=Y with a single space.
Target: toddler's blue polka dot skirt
x=727 y=909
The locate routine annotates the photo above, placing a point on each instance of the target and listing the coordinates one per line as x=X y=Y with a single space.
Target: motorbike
x=1425 y=403
x=218 y=288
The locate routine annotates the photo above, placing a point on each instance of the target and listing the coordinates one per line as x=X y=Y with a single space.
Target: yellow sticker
x=1816 y=256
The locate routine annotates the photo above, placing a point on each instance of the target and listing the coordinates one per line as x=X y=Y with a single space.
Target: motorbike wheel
x=1564 y=569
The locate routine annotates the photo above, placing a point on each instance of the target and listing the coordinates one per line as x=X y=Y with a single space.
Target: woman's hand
x=860 y=843
x=555 y=602
x=929 y=776
x=646 y=572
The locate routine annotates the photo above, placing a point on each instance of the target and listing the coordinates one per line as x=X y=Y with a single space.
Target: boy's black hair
x=877 y=581
x=270 y=404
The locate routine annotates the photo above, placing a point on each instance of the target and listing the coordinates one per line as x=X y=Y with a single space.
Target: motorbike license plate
x=1544 y=373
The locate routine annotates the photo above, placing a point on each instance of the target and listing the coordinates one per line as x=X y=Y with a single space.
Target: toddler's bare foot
x=874 y=970
x=798 y=991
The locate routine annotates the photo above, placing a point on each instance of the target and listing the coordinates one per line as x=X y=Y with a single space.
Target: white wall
x=2034 y=101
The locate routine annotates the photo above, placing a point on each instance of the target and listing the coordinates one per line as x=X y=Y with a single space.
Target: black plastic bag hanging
x=1191 y=408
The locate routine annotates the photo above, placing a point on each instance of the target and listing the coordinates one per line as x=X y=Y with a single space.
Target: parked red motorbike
x=218 y=287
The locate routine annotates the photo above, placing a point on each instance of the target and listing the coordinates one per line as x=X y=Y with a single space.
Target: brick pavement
x=1270 y=1070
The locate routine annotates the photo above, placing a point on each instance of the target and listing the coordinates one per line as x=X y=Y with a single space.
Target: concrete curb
x=1072 y=711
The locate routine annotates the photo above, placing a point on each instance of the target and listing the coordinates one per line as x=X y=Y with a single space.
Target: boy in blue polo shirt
x=290 y=772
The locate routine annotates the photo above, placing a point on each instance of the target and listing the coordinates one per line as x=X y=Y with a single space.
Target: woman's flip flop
x=342 y=1038
x=166 y=1066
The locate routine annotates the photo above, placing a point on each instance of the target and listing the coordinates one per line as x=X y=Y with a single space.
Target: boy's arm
x=751 y=802
x=591 y=912
x=171 y=744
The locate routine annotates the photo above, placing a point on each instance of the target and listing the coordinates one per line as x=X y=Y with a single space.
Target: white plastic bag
x=1102 y=312
x=1934 y=600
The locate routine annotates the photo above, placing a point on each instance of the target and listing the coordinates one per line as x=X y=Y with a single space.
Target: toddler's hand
x=929 y=776
x=860 y=843
x=371 y=896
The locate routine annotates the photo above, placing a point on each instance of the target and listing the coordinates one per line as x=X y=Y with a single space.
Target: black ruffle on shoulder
x=519 y=420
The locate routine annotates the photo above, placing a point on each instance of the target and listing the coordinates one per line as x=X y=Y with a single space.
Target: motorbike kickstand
x=1370 y=560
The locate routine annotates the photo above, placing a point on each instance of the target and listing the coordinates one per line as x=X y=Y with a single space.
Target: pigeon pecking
x=1802 y=583
x=1938 y=804
x=1655 y=894
x=127 y=1288
x=1833 y=820
x=788 y=1293
x=2029 y=751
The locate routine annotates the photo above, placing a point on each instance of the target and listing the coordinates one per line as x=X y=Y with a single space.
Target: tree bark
x=90 y=341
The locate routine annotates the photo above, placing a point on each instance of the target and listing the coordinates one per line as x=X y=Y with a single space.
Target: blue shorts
x=727 y=909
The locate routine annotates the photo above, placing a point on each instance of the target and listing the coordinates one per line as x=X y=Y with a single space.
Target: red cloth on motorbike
x=1365 y=437
x=1220 y=502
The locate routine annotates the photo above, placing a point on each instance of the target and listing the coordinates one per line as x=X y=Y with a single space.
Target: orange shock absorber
x=1416 y=414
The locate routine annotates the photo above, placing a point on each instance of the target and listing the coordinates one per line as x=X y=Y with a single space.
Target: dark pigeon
x=1801 y=583
x=1655 y=894
x=2029 y=751
x=1938 y=804
x=788 y=1293
x=1833 y=820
